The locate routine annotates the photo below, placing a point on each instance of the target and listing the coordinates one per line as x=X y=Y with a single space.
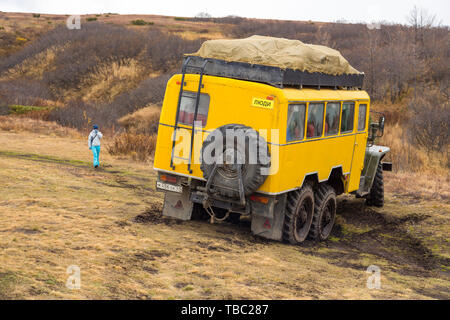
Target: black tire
x=324 y=213
x=225 y=181
x=298 y=216
x=376 y=195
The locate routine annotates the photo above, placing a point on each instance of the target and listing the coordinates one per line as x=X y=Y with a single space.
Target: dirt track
x=56 y=211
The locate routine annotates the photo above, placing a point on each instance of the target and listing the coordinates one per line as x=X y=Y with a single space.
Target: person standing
x=94 y=144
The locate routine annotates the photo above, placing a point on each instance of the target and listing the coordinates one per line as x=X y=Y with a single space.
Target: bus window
x=296 y=121
x=362 y=117
x=348 y=112
x=187 y=108
x=315 y=120
x=332 y=118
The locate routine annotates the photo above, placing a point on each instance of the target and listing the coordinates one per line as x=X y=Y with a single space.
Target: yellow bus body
x=242 y=102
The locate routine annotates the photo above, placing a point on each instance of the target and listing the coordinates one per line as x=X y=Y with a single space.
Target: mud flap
x=178 y=205
x=270 y=224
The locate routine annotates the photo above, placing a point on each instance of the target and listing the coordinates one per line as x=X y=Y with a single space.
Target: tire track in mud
x=387 y=237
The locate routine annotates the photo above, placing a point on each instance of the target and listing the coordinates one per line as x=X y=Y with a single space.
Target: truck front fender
x=373 y=156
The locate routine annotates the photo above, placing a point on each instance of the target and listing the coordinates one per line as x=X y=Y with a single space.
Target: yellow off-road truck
x=274 y=141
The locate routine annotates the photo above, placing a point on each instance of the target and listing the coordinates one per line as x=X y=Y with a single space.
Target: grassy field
x=57 y=211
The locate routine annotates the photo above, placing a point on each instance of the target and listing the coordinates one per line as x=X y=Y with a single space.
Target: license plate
x=169 y=187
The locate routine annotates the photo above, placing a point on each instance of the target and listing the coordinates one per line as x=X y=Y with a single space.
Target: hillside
x=55 y=83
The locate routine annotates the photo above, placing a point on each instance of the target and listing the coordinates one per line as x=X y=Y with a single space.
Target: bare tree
x=430 y=122
x=324 y=38
x=420 y=19
x=203 y=15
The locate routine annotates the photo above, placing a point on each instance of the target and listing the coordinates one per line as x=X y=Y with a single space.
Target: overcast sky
x=323 y=10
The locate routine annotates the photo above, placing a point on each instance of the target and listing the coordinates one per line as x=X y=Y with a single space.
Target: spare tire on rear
x=246 y=148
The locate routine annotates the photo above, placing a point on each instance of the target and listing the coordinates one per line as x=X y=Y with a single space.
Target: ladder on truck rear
x=201 y=69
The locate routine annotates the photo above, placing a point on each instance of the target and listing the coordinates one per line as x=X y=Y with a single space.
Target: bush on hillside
x=139 y=146
x=430 y=122
x=140 y=22
x=81 y=115
x=143 y=121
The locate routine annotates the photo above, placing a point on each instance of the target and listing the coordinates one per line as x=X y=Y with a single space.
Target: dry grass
x=144 y=121
x=139 y=140
x=109 y=80
x=194 y=35
x=138 y=146
x=33 y=67
x=421 y=185
x=407 y=157
x=22 y=124
x=56 y=211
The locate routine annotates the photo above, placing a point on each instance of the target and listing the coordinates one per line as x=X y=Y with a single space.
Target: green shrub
x=91 y=19
x=18 y=109
x=36 y=15
x=140 y=22
x=181 y=19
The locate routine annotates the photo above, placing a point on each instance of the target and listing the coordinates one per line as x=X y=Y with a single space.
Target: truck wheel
x=228 y=158
x=324 y=213
x=298 y=217
x=376 y=195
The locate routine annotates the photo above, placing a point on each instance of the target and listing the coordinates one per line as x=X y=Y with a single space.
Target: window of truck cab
x=187 y=108
x=362 y=114
x=347 y=117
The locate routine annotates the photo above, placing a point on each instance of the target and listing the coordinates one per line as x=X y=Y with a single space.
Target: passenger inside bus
x=311 y=127
x=315 y=120
x=296 y=120
x=332 y=118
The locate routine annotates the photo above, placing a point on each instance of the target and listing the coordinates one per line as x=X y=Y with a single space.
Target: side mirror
x=376 y=128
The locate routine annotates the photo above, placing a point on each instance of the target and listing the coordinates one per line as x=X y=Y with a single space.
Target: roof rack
x=272 y=75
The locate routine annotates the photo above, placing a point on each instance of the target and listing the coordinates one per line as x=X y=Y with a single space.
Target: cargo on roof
x=278 y=52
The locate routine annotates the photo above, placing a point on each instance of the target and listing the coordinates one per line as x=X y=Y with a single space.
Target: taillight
x=260 y=199
x=168 y=178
